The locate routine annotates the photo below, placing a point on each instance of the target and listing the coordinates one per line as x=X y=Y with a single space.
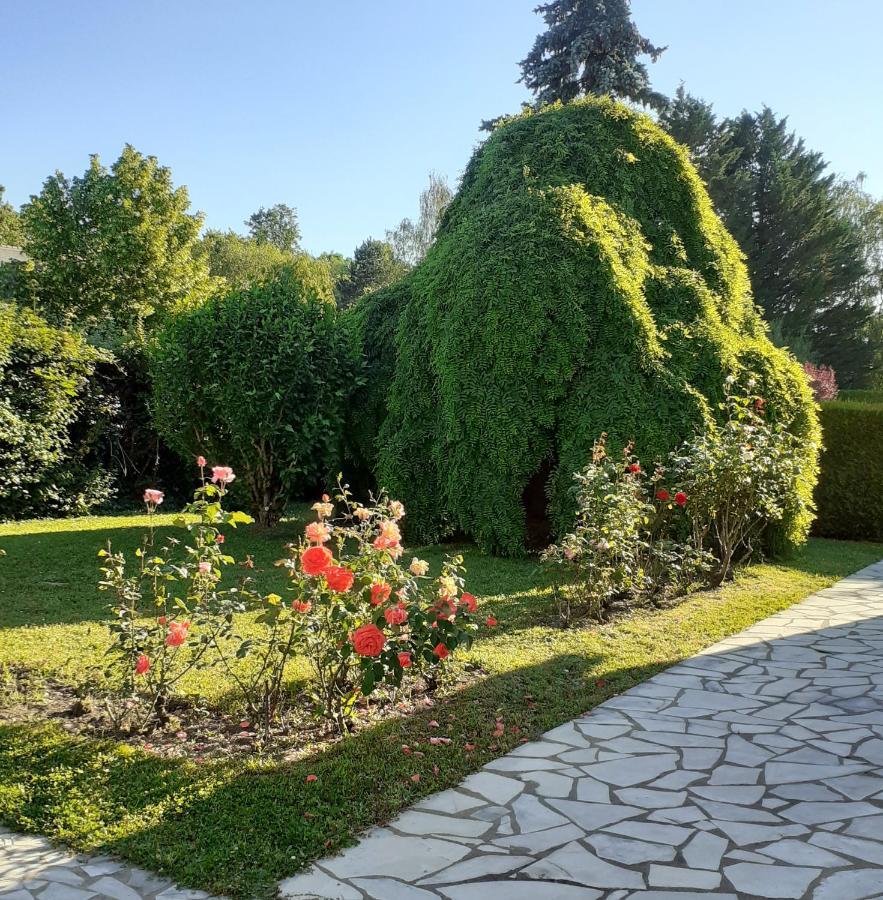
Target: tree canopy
x=804 y=233
x=113 y=247
x=277 y=225
x=374 y=266
x=590 y=47
x=411 y=240
x=10 y=222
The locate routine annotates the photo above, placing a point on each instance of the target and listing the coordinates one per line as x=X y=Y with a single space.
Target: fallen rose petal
x=469 y=747
x=433 y=724
x=415 y=778
x=310 y=778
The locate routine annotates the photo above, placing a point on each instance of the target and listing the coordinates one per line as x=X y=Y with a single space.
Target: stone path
x=30 y=867
x=752 y=770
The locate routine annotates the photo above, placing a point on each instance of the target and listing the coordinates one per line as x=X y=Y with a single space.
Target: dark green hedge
x=580 y=283
x=849 y=494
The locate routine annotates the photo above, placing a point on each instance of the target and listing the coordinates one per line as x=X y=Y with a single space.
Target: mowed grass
x=235 y=827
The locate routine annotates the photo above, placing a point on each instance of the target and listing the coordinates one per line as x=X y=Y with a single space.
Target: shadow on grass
x=237 y=827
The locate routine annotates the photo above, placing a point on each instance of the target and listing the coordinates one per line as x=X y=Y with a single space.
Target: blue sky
x=341 y=108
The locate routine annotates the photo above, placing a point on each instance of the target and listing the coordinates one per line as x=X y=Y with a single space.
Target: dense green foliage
x=849 y=494
x=10 y=222
x=135 y=259
x=590 y=47
x=257 y=379
x=240 y=261
x=277 y=226
x=45 y=399
x=580 y=283
x=813 y=243
x=374 y=266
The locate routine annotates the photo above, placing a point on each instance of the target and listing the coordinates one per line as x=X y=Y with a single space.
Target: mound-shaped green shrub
x=580 y=283
x=258 y=379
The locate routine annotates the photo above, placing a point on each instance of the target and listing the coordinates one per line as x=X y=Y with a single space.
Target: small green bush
x=48 y=406
x=257 y=379
x=849 y=495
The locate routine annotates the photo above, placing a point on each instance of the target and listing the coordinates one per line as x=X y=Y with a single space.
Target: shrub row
x=849 y=494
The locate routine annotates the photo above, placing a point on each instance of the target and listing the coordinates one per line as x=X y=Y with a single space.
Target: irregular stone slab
x=855 y=884
x=629 y=851
x=809 y=813
x=574 y=863
x=517 y=890
x=678 y=877
x=497 y=788
x=479 y=867
x=533 y=815
x=541 y=841
x=424 y=823
x=802 y=854
x=771 y=880
x=389 y=889
x=858 y=848
x=592 y=816
x=401 y=856
x=630 y=771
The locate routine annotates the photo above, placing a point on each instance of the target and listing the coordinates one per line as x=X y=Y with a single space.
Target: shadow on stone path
x=750 y=770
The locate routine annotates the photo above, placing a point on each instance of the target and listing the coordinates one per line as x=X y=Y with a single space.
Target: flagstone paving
x=30 y=867
x=753 y=770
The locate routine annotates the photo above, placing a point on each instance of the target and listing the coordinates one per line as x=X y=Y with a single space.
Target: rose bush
x=369 y=619
x=170 y=612
x=624 y=549
x=359 y=614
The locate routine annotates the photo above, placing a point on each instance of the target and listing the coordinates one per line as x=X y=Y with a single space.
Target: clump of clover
x=370 y=619
x=624 y=549
x=741 y=476
x=168 y=614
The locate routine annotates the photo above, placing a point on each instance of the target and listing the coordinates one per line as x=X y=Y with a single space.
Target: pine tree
x=590 y=46
x=807 y=249
x=805 y=255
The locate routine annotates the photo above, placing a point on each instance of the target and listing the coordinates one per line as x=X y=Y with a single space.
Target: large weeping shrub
x=258 y=379
x=580 y=283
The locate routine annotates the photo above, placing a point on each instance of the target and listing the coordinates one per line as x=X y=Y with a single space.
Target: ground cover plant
x=234 y=822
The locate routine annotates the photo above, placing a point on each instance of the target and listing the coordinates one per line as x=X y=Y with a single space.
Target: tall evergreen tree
x=590 y=46
x=808 y=254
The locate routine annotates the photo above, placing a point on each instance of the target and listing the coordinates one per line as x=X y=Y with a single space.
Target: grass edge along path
x=237 y=828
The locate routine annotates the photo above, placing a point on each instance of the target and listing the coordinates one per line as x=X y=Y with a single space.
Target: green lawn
x=235 y=827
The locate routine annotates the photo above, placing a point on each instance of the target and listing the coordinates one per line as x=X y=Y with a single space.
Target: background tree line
x=813 y=241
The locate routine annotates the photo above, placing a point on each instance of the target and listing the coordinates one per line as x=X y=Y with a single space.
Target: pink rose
x=205 y=567
x=200 y=461
x=153 y=497
x=222 y=475
x=395 y=615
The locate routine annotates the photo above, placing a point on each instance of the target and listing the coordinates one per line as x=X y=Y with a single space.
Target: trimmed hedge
x=861 y=396
x=580 y=283
x=849 y=495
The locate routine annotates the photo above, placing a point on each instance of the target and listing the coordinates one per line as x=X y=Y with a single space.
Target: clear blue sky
x=341 y=108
